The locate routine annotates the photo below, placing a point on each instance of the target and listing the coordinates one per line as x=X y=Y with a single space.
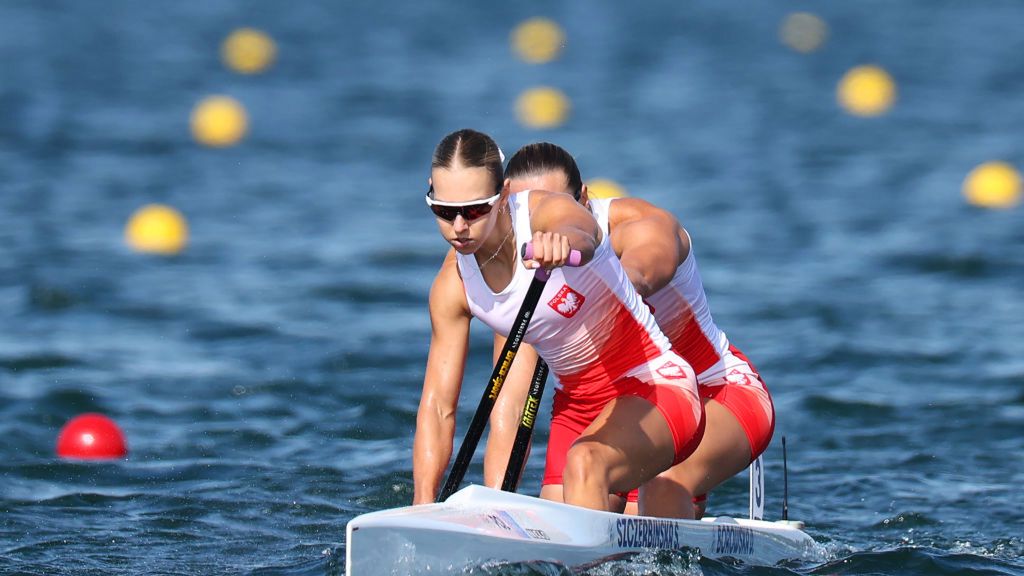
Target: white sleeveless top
x=682 y=311
x=590 y=325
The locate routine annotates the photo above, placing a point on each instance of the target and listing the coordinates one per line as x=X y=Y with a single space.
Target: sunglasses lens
x=476 y=211
x=469 y=213
x=445 y=212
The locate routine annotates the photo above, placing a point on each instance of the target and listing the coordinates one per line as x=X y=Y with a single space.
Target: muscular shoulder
x=626 y=210
x=637 y=221
x=545 y=200
x=447 y=294
x=549 y=209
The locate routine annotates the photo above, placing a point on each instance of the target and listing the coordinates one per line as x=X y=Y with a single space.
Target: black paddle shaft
x=526 y=422
x=501 y=368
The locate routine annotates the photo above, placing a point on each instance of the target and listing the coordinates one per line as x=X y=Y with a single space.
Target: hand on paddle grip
x=550 y=253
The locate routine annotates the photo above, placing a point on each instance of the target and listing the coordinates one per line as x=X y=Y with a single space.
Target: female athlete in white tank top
x=617 y=369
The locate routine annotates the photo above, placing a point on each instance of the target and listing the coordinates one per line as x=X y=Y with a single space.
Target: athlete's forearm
x=584 y=241
x=562 y=225
x=432 y=449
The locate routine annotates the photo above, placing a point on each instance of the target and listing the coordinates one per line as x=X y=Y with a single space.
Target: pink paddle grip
x=575 y=257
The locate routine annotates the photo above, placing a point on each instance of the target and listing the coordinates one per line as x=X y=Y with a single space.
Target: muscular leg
x=722 y=453
x=552 y=492
x=508 y=409
x=626 y=445
x=616 y=503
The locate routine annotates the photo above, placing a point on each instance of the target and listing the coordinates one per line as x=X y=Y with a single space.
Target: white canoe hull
x=478 y=524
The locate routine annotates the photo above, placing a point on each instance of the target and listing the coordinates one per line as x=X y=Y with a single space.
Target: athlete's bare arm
x=560 y=224
x=446 y=361
x=649 y=241
x=507 y=411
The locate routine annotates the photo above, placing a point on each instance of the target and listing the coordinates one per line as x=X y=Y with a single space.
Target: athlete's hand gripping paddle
x=508 y=354
x=574 y=259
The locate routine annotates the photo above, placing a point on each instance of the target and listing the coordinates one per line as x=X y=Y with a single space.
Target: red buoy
x=91 y=437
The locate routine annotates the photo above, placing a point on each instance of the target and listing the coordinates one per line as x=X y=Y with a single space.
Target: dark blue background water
x=267 y=378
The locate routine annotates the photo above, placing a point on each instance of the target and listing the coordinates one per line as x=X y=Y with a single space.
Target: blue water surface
x=267 y=378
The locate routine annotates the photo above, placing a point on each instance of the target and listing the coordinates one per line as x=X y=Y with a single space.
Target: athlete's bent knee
x=585 y=464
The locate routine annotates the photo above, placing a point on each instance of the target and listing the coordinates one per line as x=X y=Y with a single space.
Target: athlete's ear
x=584 y=195
x=506 y=187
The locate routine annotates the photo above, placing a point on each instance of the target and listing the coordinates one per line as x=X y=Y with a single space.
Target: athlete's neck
x=497 y=261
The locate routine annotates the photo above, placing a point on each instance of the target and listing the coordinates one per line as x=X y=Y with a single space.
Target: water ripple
x=267 y=378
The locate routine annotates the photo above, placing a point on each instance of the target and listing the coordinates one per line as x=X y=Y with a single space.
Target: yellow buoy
x=803 y=32
x=538 y=40
x=993 y=185
x=542 y=107
x=604 y=188
x=157 y=229
x=219 y=121
x=866 y=91
x=248 y=51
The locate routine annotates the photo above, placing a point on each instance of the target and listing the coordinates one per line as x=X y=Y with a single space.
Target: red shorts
x=752 y=407
x=675 y=398
x=745 y=394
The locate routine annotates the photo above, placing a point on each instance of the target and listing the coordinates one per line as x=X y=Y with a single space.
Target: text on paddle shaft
x=646 y=533
x=734 y=540
x=530 y=411
x=499 y=380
